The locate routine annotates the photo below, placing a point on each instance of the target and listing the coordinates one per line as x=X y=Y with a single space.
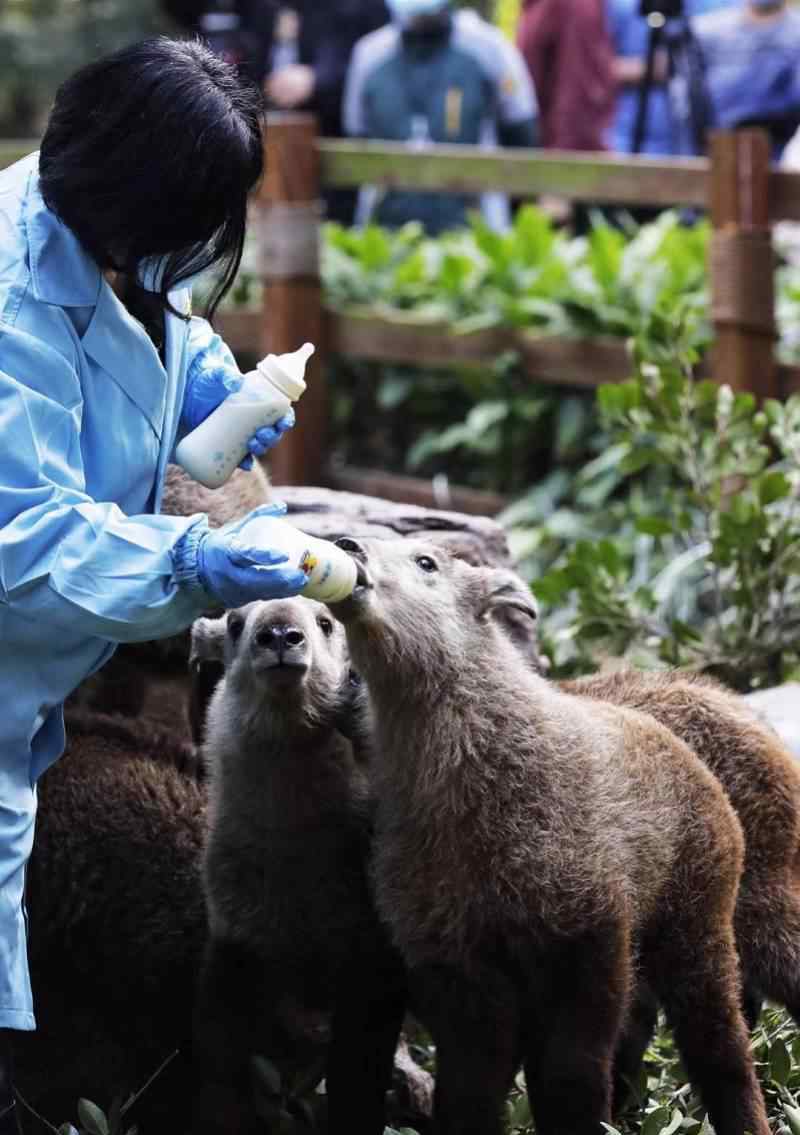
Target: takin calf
x=532 y=849
x=116 y=922
x=293 y=930
x=762 y=782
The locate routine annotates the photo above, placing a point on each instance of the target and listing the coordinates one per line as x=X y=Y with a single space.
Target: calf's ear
x=503 y=589
x=208 y=641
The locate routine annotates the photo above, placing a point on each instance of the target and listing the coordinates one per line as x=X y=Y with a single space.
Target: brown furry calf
x=762 y=781
x=531 y=848
x=292 y=923
x=116 y=922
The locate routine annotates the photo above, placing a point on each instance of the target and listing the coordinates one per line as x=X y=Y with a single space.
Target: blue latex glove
x=212 y=377
x=265 y=438
x=235 y=573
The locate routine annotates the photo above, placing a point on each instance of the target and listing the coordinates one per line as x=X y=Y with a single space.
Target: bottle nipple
x=287 y=372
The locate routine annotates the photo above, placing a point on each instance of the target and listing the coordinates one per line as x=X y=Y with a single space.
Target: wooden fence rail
x=743 y=195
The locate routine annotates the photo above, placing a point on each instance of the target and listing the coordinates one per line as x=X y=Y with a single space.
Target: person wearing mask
x=568 y=49
x=752 y=64
x=630 y=35
x=142 y=182
x=437 y=76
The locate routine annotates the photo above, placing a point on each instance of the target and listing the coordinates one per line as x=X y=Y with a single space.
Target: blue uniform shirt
x=752 y=66
x=464 y=84
x=89 y=418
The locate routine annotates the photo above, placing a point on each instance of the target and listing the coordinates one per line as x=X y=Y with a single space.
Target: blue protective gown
x=89 y=419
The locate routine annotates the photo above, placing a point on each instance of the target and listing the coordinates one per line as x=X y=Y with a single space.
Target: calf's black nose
x=279 y=637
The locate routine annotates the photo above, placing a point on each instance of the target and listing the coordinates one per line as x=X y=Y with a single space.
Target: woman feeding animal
x=141 y=182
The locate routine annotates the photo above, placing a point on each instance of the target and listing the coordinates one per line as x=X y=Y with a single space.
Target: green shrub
x=534 y=277
x=696 y=561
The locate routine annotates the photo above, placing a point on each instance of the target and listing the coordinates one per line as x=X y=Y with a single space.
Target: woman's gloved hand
x=234 y=572
x=212 y=378
x=267 y=437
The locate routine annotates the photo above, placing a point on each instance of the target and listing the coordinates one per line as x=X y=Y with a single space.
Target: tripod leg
x=690 y=101
x=646 y=88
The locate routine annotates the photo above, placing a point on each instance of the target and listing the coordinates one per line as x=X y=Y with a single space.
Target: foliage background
x=43 y=41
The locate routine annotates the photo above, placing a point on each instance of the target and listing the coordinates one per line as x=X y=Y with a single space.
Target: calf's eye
x=426 y=564
x=235 y=626
x=326 y=626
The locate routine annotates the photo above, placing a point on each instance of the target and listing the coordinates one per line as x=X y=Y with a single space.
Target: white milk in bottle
x=210 y=453
x=331 y=572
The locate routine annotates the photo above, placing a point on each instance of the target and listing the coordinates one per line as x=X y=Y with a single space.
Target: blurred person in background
x=299 y=52
x=310 y=48
x=752 y=65
x=630 y=33
x=437 y=76
x=569 y=52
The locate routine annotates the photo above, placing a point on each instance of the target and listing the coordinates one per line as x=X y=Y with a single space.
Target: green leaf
x=653 y=526
x=552 y=588
x=772 y=487
x=610 y=399
x=683 y=632
x=638 y=458
x=486 y=414
x=91 y=1118
x=607 y=554
x=780 y=1062
x=521 y=1112
x=656 y=1121
x=675 y=1122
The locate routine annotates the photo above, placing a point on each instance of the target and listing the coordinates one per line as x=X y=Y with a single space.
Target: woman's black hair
x=153 y=151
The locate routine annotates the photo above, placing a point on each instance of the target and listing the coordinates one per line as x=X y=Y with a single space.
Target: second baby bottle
x=211 y=452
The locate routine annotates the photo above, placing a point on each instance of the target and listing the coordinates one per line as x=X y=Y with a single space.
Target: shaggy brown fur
x=762 y=782
x=293 y=928
x=530 y=848
x=238 y=496
x=118 y=924
x=116 y=920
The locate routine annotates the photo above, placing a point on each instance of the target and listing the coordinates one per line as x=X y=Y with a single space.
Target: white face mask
x=405 y=12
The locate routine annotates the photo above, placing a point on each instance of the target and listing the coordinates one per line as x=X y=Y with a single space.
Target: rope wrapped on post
x=742 y=264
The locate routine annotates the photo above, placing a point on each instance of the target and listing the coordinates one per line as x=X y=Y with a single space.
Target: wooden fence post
x=742 y=263
x=292 y=312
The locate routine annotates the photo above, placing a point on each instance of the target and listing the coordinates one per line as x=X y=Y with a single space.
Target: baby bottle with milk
x=331 y=573
x=210 y=453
